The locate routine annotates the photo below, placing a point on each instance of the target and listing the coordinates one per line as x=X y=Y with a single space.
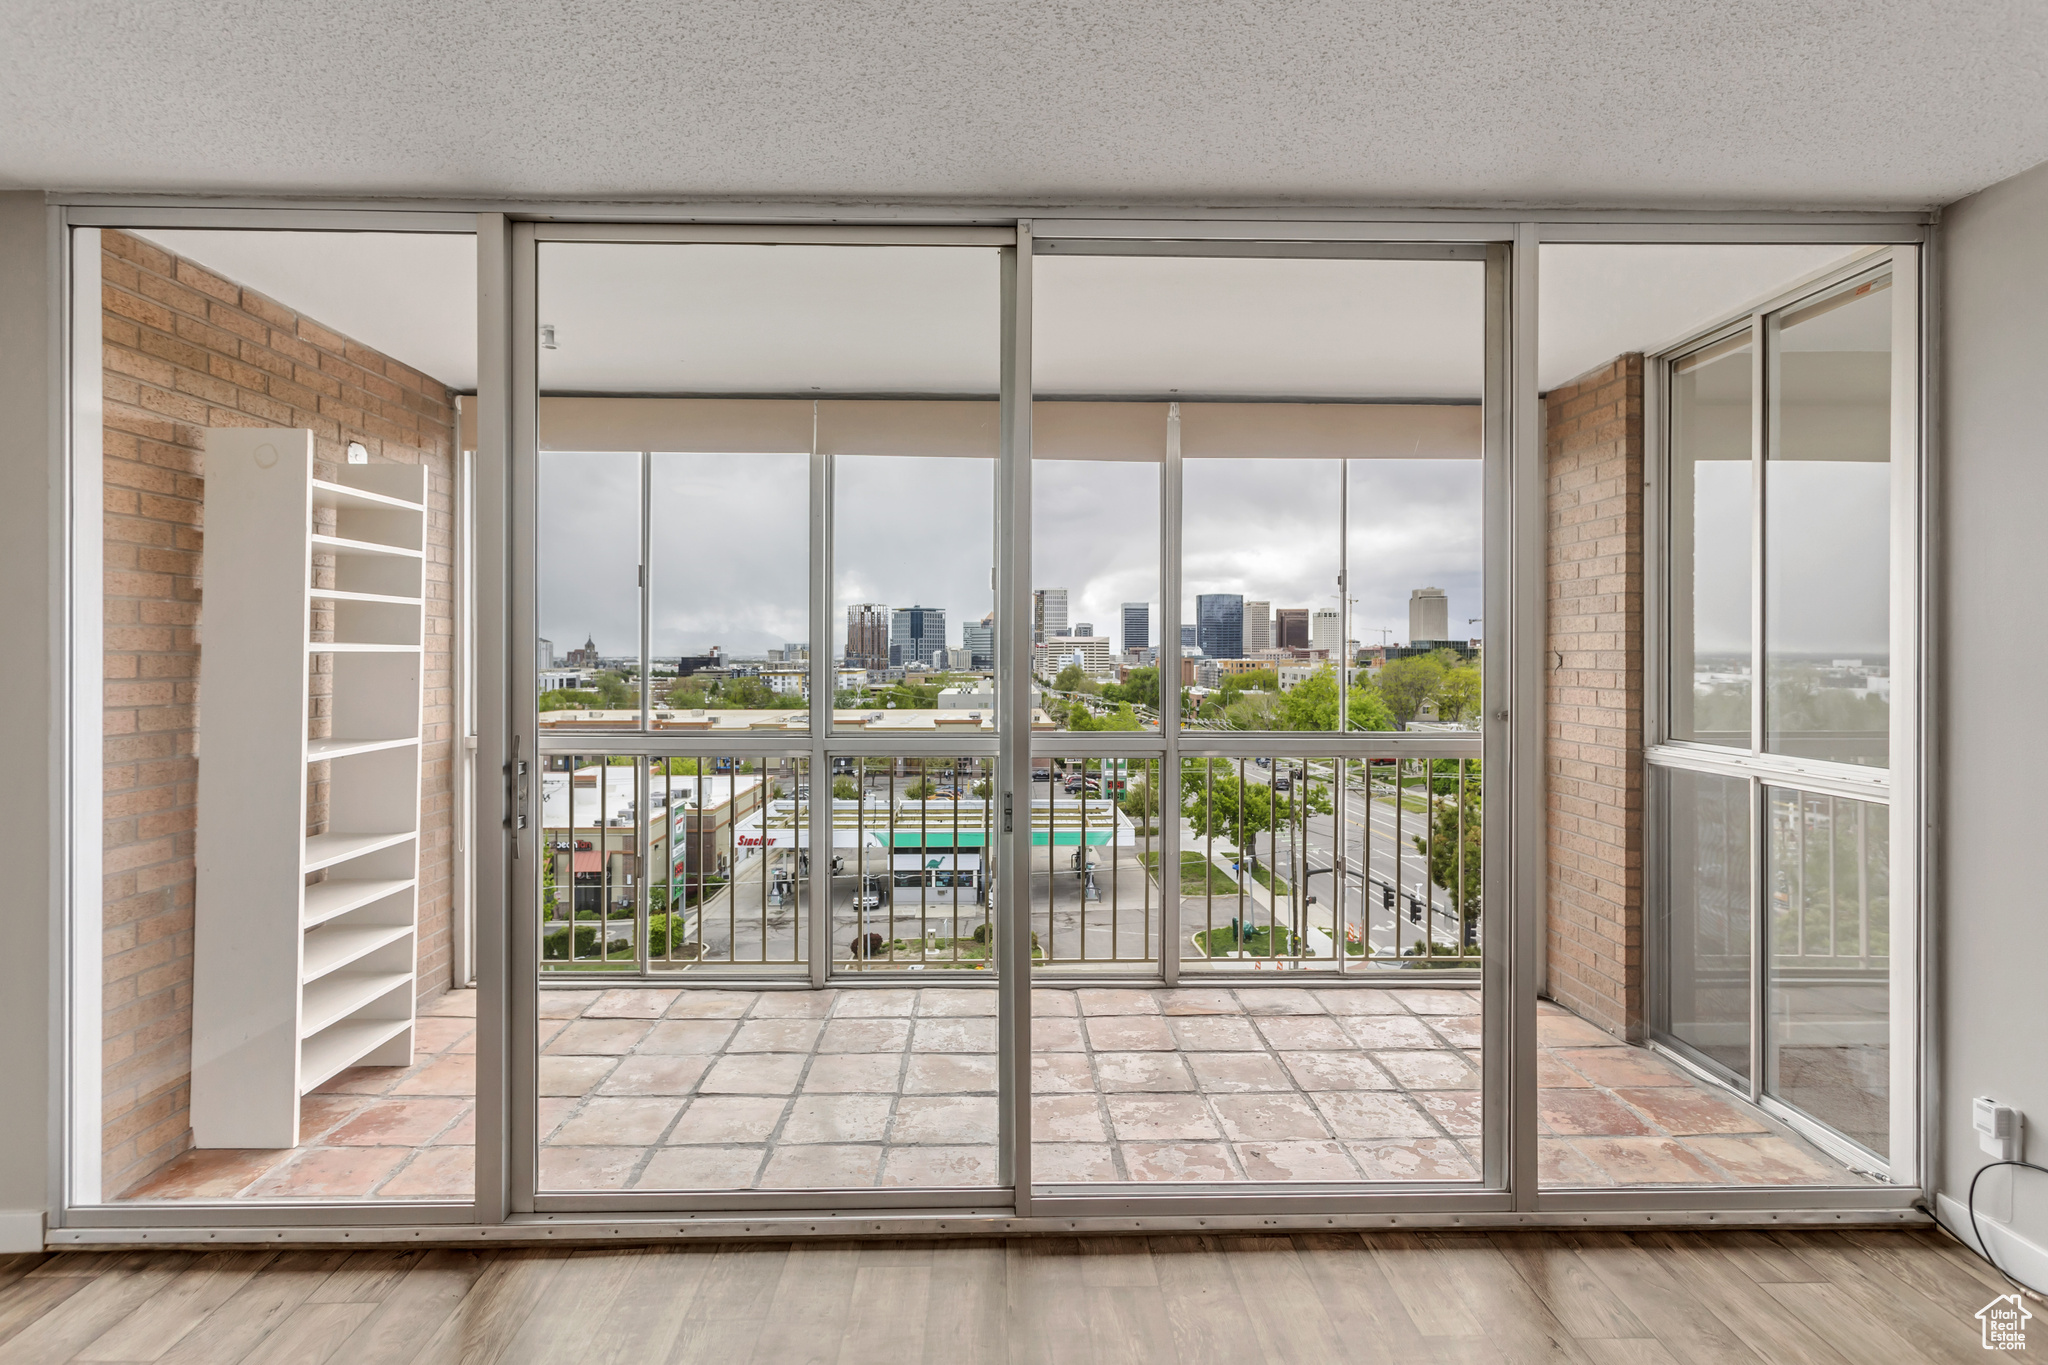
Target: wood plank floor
x=1602 y=1298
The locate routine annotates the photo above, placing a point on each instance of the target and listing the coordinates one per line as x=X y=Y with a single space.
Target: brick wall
x=185 y=350
x=1594 y=935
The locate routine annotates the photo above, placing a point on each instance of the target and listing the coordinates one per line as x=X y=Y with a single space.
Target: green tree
x=924 y=789
x=1407 y=683
x=1123 y=718
x=1141 y=799
x=845 y=789
x=1312 y=705
x=748 y=694
x=1140 y=688
x=1073 y=678
x=983 y=789
x=1458 y=695
x=1453 y=855
x=1219 y=802
x=569 y=699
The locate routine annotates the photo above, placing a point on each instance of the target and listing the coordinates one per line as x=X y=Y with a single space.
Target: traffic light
x=1386 y=897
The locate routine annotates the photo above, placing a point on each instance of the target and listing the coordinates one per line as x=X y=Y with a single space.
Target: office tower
x=1187 y=635
x=1258 y=627
x=978 y=639
x=916 y=635
x=1082 y=628
x=1429 y=615
x=1326 y=631
x=1137 y=625
x=1290 y=628
x=867 y=635
x=1219 y=625
x=1048 y=613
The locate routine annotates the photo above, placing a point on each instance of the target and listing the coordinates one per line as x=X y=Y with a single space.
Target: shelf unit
x=304 y=945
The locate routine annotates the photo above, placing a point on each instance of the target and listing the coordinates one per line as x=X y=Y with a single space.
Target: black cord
x=1984 y=1247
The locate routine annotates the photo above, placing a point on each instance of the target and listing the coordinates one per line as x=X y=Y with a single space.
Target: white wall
x=1992 y=898
x=29 y=518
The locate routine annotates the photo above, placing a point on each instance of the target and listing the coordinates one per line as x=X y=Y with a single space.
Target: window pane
x=1711 y=512
x=1827 y=529
x=1706 y=907
x=1095 y=544
x=588 y=566
x=1827 y=989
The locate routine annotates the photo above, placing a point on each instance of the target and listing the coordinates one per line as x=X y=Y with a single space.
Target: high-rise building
x=1258 y=627
x=1137 y=626
x=1092 y=652
x=1219 y=625
x=867 y=635
x=546 y=653
x=1326 y=631
x=1048 y=613
x=978 y=639
x=1290 y=628
x=916 y=635
x=1429 y=615
x=1187 y=635
x=1083 y=628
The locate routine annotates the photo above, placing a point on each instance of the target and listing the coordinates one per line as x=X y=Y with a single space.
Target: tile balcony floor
x=660 y=1088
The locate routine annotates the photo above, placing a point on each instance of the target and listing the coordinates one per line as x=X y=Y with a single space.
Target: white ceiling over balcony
x=1567 y=102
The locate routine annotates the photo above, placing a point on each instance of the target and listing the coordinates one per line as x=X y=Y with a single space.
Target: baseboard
x=2019 y=1256
x=21 y=1230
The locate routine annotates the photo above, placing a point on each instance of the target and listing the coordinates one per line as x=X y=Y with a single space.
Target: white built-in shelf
x=342 y=1046
x=336 y=996
x=325 y=850
x=327 y=494
x=332 y=948
x=338 y=895
x=318 y=750
x=356 y=647
x=336 y=545
x=337 y=595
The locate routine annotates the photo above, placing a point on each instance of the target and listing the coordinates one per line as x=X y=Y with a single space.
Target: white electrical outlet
x=1998 y=1128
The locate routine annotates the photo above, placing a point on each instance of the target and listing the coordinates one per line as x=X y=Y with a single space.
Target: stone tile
x=1414 y=1159
x=1266 y=1117
x=1563 y=1029
x=617 y=1121
x=564 y=1004
x=1067 y=1118
x=1323 y=1161
x=1552 y=1072
x=1194 y=1161
x=941 y=1002
x=642 y=1074
x=631 y=1004
x=1217 y=1033
x=1050 y=1033
x=1459 y=1111
x=1106 y=1002
x=1694 y=1110
x=1130 y=1033
x=1057 y=1073
x=949 y=1073
x=875 y=1004
x=794 y=1005
x=209 y=1173
x=855 y=1073
x=1459 y=1030
x=775 y=1035
x=1160 y=1118
x=319 y=1113
x=432 y=1033
x=1622 y=1067
x=1362 y=1000
x=1558 y=1163
x=945 y=1119
x=1441 y=1002
x=954 y=1034
x=707 y=1004
x=550 y=1112
x=330 y=1172
x=1279 y=1000
x=940 y=1167
x=1588 y=1113
x=459 y=1004
x=837 y=1118
x=1378 y=1031
x=1124 y=1071
x=1295 y=1033
x=756 y=1073
x=1428 y=1070
x=1053 y=1004
x=1186 y=1001
x=434 y=1173
x=1229 y=1072
x=1072 y=1163
x=451 y=1073
x=1766 y=1159
x=865 y=1035
x=573 y=1075
x=462 y=1133
x=1372 y=1114
x=1645 y=1161
x=598 y=1038
x=701 y=1168
x=821 y=1167
x=727 y=1120
x=676 y=1037
x=396 y=1123
x=1335 y=1071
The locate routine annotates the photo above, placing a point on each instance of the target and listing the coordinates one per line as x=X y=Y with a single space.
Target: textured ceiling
x=1566 y=102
